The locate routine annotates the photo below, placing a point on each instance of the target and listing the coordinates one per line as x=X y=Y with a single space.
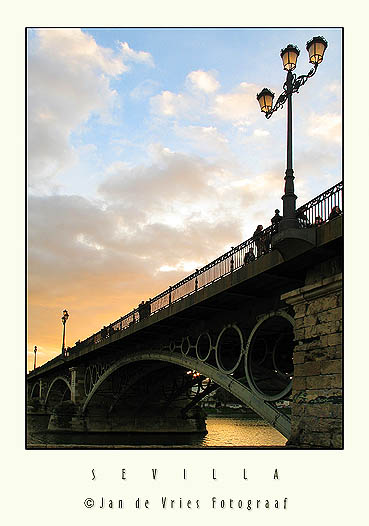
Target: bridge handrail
x=317 y=208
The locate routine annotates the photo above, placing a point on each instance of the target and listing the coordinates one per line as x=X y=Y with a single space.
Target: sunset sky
x=148 y=157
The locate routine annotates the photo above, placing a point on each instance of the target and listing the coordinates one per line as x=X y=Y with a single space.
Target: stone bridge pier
x=317 y=384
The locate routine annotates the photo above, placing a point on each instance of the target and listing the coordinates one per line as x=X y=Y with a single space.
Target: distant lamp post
x=316 y=48
x=35 y=351
x=64 y=321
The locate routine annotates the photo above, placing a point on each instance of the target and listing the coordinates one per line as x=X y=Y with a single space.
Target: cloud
x=145 y=89
x=77 y=50
x=68 y=82
x=261 y=133
x=203 y=81
x=98 y=261
x=205 y=138
x=258 y=190
x=326 y=126
x=170 y=179
x=237 y=106
x=322 y=164
x=335 y=88
x=97 y=249
x=241 y=125
x=194 y=241
x=136 y=56
x=190 y=103
x=169 y=104
x=202 y=100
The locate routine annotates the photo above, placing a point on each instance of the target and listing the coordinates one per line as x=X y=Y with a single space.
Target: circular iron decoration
x=269 y=356
x=203 y=346
x=229 y=349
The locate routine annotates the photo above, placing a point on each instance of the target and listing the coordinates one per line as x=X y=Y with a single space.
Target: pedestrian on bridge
x=275 y=221
x=141 y=310
x=260 y=241
x=148 y=308
x=336 y=212
x=303 y=219
x=249 y=256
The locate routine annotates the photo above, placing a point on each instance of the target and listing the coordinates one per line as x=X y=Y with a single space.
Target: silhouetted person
x=336 y=211
x=260 y=240
x=144 y=310
x=275 y=221
x=141 y=310
x=318 y=221
x=249 y=256
x=148 y=308
x=302 y=219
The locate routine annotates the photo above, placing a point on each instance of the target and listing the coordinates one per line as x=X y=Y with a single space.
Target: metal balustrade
x=322 y=205
x=310 y=215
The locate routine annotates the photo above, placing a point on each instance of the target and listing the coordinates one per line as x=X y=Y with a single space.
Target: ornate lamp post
x=35 y=351
x=64 y=321
x=316 y=48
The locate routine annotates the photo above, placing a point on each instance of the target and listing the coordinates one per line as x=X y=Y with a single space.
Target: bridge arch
x=59 y=390
x=262 y=408
x=36 y=390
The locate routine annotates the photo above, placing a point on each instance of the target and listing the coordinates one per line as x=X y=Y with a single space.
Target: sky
x=148 y=157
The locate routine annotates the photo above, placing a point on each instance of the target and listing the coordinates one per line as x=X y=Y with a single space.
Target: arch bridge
x=267 y=330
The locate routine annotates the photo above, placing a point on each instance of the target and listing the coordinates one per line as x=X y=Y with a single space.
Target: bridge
x=263 y=321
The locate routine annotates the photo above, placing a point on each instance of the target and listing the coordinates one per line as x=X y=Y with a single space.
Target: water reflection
x=232 y=432
x=222 y=432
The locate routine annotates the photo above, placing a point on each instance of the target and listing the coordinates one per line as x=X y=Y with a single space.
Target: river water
x=224 y=431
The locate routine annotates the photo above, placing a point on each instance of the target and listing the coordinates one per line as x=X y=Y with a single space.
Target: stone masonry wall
x=317 y=383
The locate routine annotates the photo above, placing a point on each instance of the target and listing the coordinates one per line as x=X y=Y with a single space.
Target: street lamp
x=35 y=351
x=64 y=321
x=316 y=48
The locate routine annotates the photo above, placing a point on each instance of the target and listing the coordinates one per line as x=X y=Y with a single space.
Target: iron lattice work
x=93 y=374
x=296 y=83
x=310 y=215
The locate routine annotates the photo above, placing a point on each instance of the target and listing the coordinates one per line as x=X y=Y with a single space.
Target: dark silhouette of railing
x=319 y=209
x=312 y=214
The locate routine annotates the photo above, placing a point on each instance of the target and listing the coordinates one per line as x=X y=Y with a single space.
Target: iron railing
x=311 y=214
x=319 y=209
